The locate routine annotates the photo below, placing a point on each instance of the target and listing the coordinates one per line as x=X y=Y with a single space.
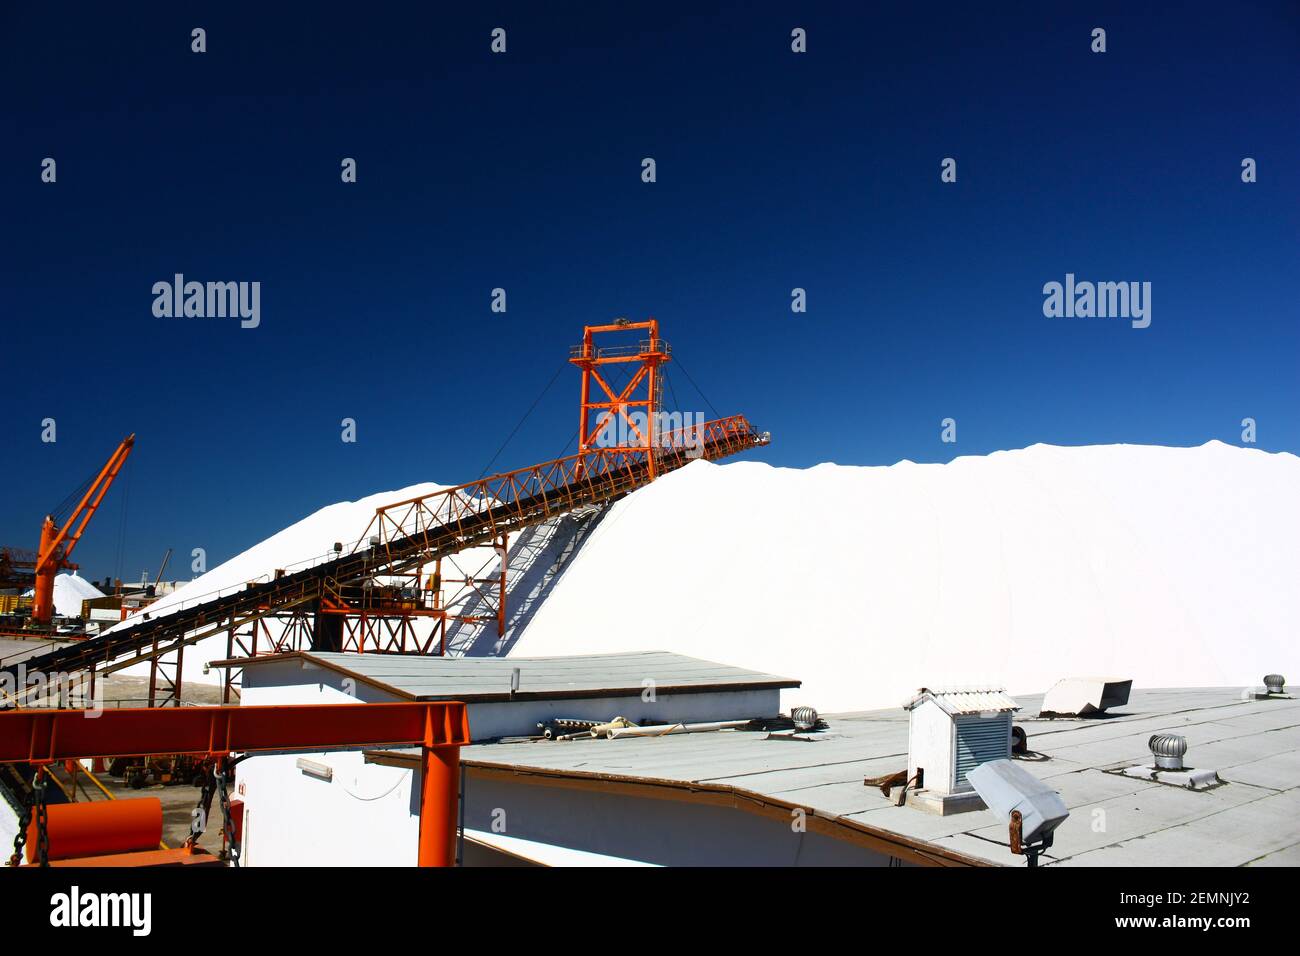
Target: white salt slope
x=1170 y=566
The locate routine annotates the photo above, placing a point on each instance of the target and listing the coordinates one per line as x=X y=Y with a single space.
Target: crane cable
x=67 y=503
x=672 y=391
x=121 y=530
x=518 y=425
x=716 y=414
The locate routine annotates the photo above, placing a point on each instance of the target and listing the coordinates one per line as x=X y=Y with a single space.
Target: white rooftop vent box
x=1085 y=696
x=950 y=733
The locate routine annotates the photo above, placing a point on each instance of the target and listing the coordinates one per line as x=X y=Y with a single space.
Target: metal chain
x=199 y=818
x=227 y=827
x=20 y=838
x=42 y=822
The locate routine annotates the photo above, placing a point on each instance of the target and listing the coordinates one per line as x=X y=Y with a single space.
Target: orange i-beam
x=43 y=737
x=640 y=392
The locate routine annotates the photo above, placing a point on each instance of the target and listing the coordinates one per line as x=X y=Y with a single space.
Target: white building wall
x=520 y=718
x=659 y=831
x=8 y=828
x=930 y=741
x=301 y=682
x=368 y=815
x=362 y=817
x=365 y=816
x=298 y=682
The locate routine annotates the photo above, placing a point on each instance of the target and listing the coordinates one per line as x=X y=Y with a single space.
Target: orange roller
x=97 y=829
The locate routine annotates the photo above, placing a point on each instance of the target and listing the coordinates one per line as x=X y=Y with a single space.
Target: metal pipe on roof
x=662 y=730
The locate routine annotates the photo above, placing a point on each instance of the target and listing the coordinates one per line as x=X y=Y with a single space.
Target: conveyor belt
x=598 y=476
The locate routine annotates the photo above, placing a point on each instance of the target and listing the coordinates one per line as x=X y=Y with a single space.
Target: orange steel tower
x=642 y=390
x=57 y=542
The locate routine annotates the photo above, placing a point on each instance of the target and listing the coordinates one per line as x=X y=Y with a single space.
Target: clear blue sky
x=522 y=171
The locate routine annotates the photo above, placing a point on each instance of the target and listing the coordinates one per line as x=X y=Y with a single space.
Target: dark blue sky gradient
x=523 y=171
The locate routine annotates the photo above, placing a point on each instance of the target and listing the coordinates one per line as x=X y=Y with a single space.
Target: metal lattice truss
x=350 y=601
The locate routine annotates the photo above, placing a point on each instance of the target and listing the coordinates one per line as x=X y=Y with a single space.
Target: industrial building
x=762 y=797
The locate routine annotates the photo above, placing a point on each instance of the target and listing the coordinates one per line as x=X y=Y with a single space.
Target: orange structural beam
x=42 y=737
x=641 y=391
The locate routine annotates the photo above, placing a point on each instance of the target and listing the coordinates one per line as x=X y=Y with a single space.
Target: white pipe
x=662 y=730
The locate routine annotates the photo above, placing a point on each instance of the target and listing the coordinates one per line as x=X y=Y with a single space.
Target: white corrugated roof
x=965 y=700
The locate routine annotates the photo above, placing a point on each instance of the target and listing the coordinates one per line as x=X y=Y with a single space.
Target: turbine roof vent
x=1168 y=749
x=805 y=718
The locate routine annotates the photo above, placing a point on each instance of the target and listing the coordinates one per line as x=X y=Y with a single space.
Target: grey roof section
x=473 y=679
x=1253 y=819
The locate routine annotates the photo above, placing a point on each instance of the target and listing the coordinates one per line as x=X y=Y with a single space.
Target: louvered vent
x=980 y=740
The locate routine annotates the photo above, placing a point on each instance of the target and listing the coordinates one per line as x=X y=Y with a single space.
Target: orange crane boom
x=58 y=541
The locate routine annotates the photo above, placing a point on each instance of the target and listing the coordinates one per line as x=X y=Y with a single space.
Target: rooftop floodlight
x=1032 y=809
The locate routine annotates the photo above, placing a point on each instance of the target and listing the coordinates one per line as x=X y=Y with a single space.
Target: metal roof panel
x=956 y=701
